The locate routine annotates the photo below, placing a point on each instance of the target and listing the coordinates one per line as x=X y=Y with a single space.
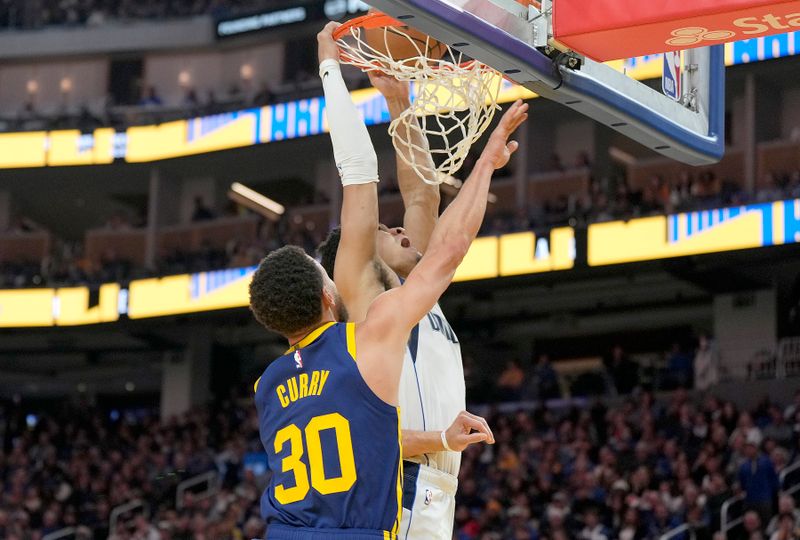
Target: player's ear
x=328 y=298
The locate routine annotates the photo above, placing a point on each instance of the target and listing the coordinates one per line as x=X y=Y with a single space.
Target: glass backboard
x=515 y=40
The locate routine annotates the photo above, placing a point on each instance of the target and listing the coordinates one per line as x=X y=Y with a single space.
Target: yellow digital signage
x=26 y=307
x=694 y=233
x=191 y=137
x=175 y=295
x=518 y=254
x=23 y=150
x=72 y=305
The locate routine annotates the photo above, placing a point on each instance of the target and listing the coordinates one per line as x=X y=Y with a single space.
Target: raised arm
x=421 y=200
x=354 y=272
x=382 y=336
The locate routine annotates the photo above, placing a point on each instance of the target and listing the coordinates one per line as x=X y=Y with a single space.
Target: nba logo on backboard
x=298 y=360
x=671 y=79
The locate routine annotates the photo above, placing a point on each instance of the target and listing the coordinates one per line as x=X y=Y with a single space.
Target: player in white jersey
x=436 y=427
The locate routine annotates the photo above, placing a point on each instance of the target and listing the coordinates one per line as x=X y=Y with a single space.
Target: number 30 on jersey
x=316 y=465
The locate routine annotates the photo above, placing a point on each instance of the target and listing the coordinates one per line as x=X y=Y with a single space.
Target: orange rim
x=368 y=21
x=375 y=20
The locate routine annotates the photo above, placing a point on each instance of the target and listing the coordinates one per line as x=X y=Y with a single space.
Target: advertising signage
x=291 y=13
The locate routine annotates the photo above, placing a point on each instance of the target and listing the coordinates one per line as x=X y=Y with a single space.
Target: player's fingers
x=519 y=121
x=512 y=146
x=478 y=424
x=519 y=118
x=508 y=117
x=474 y=438
x=512 y=119
x=484 y=423
x=520 y=111
x=327 y=30
x=472 y=424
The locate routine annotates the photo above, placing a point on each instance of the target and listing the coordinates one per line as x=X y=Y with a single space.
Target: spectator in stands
x=792 y=188
x=793 y=408
x=661 y=520
x=556 y=515
x=747 y=430
x=786 y=528
x=786 y=506
x=706 y=364
x=212 y=104
x=631 y=527
x=751 y=526
x=778 y=429
x=264 y=96
x=545 y=379
x=679 y=368
x=593 y=529
x=151 y=97
x=509 y=384
x=624 y=372
x=681 y=191
x=235 y=92
x=190 y=100
x=717 y=492
x=770 y=190
x=201 y=211
x=519 y=523
x=758 y=480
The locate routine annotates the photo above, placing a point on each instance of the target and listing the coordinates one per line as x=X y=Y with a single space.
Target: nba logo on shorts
x=428 y=496
x=298 y=360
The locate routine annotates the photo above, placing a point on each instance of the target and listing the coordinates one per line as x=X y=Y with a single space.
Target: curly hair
x=326 y=251
x=286 y=291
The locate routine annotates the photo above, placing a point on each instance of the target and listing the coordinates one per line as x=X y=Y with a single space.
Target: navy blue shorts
x=284 y=532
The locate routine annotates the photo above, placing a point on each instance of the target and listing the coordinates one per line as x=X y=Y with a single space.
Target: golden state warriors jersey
x=333 y=446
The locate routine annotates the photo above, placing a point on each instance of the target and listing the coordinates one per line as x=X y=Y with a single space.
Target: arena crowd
x=630 y=467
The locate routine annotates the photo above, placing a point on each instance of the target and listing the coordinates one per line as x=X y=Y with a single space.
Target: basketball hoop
x=456 y=98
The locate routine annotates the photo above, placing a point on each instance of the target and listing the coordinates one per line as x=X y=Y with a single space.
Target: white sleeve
x=352 y=148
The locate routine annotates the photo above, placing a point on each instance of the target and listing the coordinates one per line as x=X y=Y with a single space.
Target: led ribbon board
x=695 y=233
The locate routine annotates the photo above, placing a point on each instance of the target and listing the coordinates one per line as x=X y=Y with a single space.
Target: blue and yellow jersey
x=333 y=446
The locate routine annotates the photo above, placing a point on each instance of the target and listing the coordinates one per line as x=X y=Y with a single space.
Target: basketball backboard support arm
x=497 y=33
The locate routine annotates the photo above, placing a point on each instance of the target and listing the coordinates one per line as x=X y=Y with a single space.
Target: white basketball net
x=455 y=101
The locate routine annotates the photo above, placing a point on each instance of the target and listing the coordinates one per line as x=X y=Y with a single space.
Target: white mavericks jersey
x=432 y=390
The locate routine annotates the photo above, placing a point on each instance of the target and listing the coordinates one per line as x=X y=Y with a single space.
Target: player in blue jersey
x=328 y=407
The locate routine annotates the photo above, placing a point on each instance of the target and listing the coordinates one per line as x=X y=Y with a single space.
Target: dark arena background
x=630 y=326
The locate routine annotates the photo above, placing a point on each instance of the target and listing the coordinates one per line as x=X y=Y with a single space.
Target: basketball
x=403 y=43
